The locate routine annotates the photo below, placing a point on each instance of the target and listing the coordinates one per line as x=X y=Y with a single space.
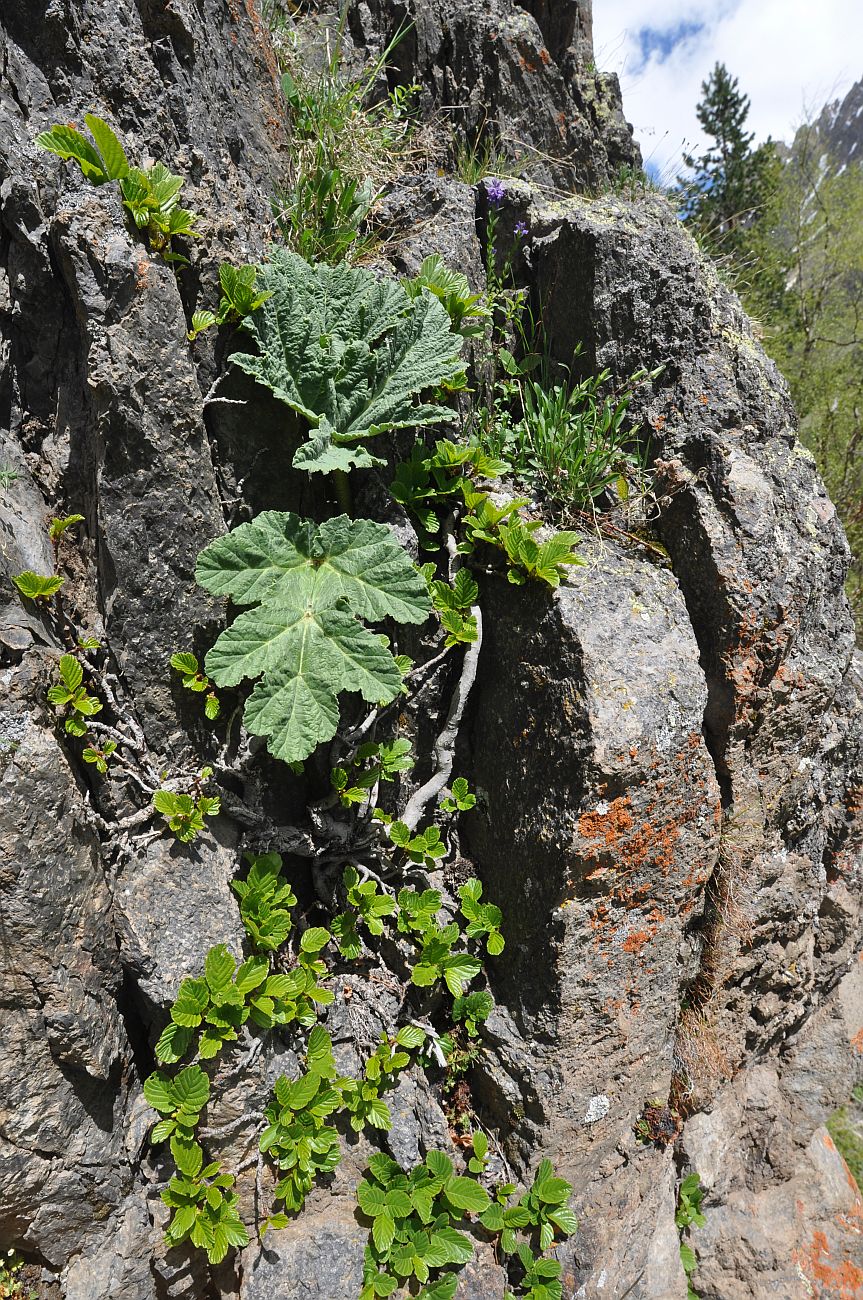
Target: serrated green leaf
x=36 y=586
x=467 y=1194
x=173 y=1043
x=219 y=967
x=554 y=1191
x=492 y=1218
x=452 y=1247
x=383 y=1231
x=410 y=1036
x=188 y=1156
x=68 y=143
x=162 y=1130
x=307 y=649
x=190 y=1088
x=371 y=1199
x=565 y=1220
x=185 y=663
x=251 y=974
x=314 y=939
x=192 y=1001
x=340 y=345
x=184 y=1218
x=157 y=1091
x=71 y=672
x=113 y=154
x=459 y=970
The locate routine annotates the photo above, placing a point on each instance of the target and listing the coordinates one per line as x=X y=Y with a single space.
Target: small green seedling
x=69 y=694
x=99 y=756
x=426 y=848
x=478 y=1162
x=689 y=1215
x=266 y=900
x=472 y=1009
x=185 y=813
x=36 y=586
x=150 y=194
x=194 y=680
x=58 y=527
x=240 y=297
x=373 y=762
x=460 y=799
x=484 y=918
x=367 y=905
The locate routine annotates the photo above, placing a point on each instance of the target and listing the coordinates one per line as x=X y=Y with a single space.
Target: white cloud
x=788 y=55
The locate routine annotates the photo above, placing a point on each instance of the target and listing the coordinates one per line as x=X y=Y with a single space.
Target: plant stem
x=344 y=496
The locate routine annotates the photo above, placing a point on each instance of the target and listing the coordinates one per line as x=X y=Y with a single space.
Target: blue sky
x=790 y=57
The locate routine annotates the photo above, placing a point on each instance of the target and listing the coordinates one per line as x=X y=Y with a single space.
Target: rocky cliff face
x=669 y=754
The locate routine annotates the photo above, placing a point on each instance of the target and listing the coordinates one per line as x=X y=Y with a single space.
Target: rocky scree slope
x=670 y=757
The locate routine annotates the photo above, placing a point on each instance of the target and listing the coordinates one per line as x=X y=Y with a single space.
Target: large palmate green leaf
x=310 y=585
x=350 y=353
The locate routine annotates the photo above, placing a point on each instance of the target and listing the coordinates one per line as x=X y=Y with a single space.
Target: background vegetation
x=786 y=227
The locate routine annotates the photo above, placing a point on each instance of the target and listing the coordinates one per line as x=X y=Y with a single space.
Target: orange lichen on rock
x=840 y=1281
x=608 y=825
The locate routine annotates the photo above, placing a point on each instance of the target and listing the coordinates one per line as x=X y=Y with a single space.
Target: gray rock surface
x=667 y=755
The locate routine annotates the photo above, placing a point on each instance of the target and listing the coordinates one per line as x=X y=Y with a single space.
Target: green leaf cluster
x=57 y=527
x=373 y=761
x=186 y=664
x=150 y=194
x=361 y=1098
x=460 y=799
x=478 y=1162
x=367 y=905
x=350 y=354
x=547 y=1202
x=70 y=695
x=185 y=813
x=453 y=604
x=425 y=848
x=297 y=1138
x=415 y=1219
x=227 y=996
x=472 y=1009
x=570 y=441
x=205 y=1212
x=309 y=585
x=99 y=756
x=240 y=297
x=266 y=901
x=181 y=1099
x=545 y=561
x=467 y=311
x=483 y=918
x=541 y=1280
x=429 y=482
x=689 y=1215
x=542 y=1210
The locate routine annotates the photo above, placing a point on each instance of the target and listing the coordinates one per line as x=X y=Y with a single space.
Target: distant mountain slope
x=840 y=125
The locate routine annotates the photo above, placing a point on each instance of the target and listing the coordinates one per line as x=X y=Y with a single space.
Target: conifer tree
x=728 y=184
